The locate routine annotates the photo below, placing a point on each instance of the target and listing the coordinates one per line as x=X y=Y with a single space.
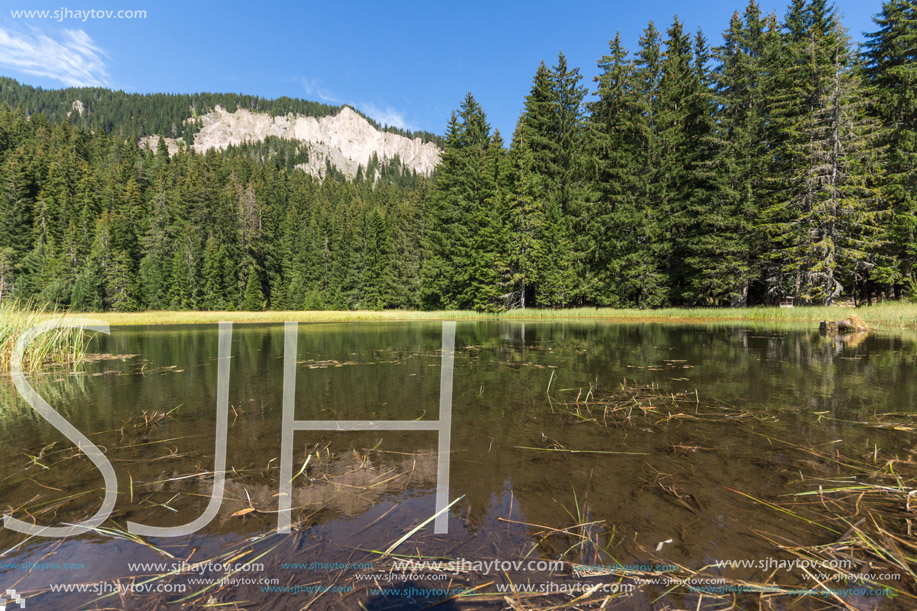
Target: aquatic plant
x=67 y=345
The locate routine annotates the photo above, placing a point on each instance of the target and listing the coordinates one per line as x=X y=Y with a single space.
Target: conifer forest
x=781 y=163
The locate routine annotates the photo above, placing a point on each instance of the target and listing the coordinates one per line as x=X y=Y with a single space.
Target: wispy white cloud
x=313 y=87
x=386 y=116
x=70 y=57
x=383 y=114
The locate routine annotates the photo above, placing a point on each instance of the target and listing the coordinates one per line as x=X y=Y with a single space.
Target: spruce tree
x=253 y=297
x=525 y=207
x=823 y=222
x=460 y=269
x=619 y=226
x=553 y=132
x=890 y=66
x=377 y=279
x=676 y=113
x=7 y=272
x=642 y=280
x=726 y=251
x=15 y=207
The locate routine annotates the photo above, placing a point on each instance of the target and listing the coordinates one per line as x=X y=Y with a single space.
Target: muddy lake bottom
x=590 y=466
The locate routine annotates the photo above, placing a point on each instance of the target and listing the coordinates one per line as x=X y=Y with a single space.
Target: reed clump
x=56 y=347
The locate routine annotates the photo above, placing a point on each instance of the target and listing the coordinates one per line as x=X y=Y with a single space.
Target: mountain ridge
x=145 y=114
x=338 y=137
x=346 y=140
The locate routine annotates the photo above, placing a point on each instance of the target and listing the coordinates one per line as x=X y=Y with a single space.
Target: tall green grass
x=887 y=315
x=58 y=346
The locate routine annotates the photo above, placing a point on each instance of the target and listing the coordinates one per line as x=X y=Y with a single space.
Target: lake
x=635 y=456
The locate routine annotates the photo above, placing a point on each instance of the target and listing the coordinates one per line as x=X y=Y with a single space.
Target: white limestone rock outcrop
x=346 y=139
x=172 y=144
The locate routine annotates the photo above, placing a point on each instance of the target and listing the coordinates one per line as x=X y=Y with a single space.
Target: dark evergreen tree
x=253 y=297
x=726 y=251
x=460 y=270
x=890 y=66
x=554 y=141
x=823 y=222
x=642 y=279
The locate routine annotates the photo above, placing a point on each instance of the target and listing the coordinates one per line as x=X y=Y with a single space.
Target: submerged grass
x=886 y=315
x=54 y=347
x=865 y=510
x=864 y=507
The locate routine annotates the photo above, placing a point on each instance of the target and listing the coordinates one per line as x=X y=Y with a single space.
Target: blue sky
x=404 y=63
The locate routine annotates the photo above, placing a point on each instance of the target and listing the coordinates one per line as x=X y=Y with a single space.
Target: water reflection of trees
x=760 y=368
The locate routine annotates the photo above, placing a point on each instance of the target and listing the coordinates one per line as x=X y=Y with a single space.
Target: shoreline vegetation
x=888 y=316
x=56 y=347
x=70 y=345
x=846 y=517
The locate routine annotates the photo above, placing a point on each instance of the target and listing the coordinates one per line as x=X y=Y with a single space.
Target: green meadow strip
x=891 y=315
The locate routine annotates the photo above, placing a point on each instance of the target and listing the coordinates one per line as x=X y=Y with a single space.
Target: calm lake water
x=669 y=496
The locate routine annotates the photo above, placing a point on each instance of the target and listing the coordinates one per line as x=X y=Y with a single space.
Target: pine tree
x=491 y=275
x=640 y=277
x=676 y=113
x=377 y=280
x=219 y=277
x=408 y=220
x=525 y=224
x=618 y=224
x=15 y=207
x=700 y=184
x=7 y=271
x=553 y=133
x=610 y=122
x=110 y=270
x=156 y=264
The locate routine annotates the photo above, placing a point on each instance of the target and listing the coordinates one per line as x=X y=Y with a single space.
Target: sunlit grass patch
x=883 y=316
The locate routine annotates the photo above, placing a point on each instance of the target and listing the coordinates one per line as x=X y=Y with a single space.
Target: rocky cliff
x=347 y=140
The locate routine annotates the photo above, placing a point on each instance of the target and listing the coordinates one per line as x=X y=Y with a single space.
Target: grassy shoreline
x=879 y=317
x=69 y=346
